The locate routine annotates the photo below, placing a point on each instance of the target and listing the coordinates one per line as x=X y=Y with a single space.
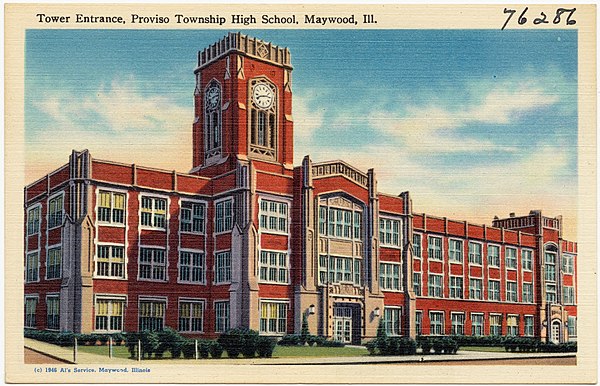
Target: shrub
x=426 y=346
x=315 y=340
x=381 y=330
x=103 y=339
x=265 y=347
x=172 y=341
x=330 y=343
x=203 y=349
x=216 y=350
x=232 y=341
x=304 y=333
x=189 y=349
x=289 y=340
x=371 y=346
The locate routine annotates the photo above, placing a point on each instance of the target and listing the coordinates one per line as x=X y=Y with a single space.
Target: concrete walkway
x=66 y=354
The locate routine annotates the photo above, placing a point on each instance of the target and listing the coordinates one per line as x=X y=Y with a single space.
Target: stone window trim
x=526 y=326
x=34 y=219
x=475 y=258
x=277 y=215
x=387 y=274
x=53 y=296
x=393 y=327
x=191 y=266
x=152 y=263
x=222 y=318
x=433 y=330
x=435 y=251
x=112 y=222
x=202 y=302
x=395 y=236
x=204 y=205
x=419 y=248
x=55 y=219
x=277 y=266
x=475 y=326
x=512 y=259
x=50 y=248
x=527 y=264
x=225 y=281
x=457 y=328
x=493 y=261
x=154 y=212
x=455 y=250
x=115 y=298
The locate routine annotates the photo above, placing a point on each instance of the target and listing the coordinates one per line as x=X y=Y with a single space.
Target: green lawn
x=280 y=351
x=482 y=348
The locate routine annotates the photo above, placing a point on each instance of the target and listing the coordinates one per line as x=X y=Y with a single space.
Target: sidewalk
x=66 y=353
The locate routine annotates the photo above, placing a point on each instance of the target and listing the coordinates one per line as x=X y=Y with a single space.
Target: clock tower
x=243 y=106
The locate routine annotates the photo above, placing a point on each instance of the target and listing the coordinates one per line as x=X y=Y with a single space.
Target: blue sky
x=473 y=122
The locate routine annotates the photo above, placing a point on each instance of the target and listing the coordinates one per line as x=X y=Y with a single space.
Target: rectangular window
x=30 y=311
x=389 y=232
x=550 y=266
x=475 y=289
x=572 y=326
x=340 y=270
x=417 y=283
x=389 y=276
x=54 y=263
x=273 y=267
x=528 y=328
x=152 y=315
x=391 y=320
x=358 y=225
x=55 y=211
x=458 y=324
x=192 y=217
x=154 y=212
x=512 y=325
x=111 y=207
x=53 y=312
x=494 y=290
x=191 y=316
x=436 y=323
x=273 y=318
x=110 y=261
x=192 y=268
x=152 y=264
x=419 y=323
x=323 y=269
x=224 y=216
x=109 y=314
x=434 y=248
x=455 y=250
x=527 y=259
x=568 y=295
x=568 y=261
x=273 y=216
x=32 y=267
x=550 y=293
x=456 y=287
x=223 y=267
x=496 y=325
x=476 y=324
x=417 y=249
x=434 y=286
x=527 y=293
x=33 y=220
x=221 y=316
x=511 y=258
x=493 y=255
x=511 y=291
x=323 y=220
x=475 y=253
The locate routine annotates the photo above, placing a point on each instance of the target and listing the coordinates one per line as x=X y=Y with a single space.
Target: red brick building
x=248 y=239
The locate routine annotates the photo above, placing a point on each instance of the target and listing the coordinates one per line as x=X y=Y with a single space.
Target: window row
x=340 y=223
x=435 y=288
x=475 y=251
x=53 y=265
x=437 y=324
x=335 y=269
x=52 y=312
x=55 y=215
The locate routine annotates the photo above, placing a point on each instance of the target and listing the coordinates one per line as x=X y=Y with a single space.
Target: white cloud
x=306 y=119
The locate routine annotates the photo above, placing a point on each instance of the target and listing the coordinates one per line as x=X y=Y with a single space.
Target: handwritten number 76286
x=543 y=18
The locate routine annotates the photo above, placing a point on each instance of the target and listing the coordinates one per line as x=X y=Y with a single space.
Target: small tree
x=381 y=330
x=304 y=333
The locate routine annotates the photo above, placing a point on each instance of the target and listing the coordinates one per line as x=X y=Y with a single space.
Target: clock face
x=262 y=95
x=212 y=97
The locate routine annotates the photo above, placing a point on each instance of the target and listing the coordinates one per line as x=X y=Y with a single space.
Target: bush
x=304 y=333
x=188 y=349
x=216 y=350
x=289 y=340
x=235 y=341
x=204 y=349
x=265 y=347
x=330 y=343
x=371 y=346
x=170 y=340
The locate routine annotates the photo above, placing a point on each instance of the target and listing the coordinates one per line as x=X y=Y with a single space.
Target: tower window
x=212 y=119
x=263 y=118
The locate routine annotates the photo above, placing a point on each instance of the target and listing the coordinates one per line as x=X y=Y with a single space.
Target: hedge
x=311 y=340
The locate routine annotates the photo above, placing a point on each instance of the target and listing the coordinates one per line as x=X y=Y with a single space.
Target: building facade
x=248 y=239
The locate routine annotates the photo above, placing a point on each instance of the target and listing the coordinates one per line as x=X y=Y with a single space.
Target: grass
x=482 y=348
x=280 y=351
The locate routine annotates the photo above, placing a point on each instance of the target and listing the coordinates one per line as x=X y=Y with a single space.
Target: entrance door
x=555 y=337
x=342 y=324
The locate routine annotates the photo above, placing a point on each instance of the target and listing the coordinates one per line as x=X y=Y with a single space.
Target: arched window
x=263 y=118
x=212 y=119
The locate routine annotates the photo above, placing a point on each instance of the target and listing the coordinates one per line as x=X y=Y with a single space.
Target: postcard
x=308 y=193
